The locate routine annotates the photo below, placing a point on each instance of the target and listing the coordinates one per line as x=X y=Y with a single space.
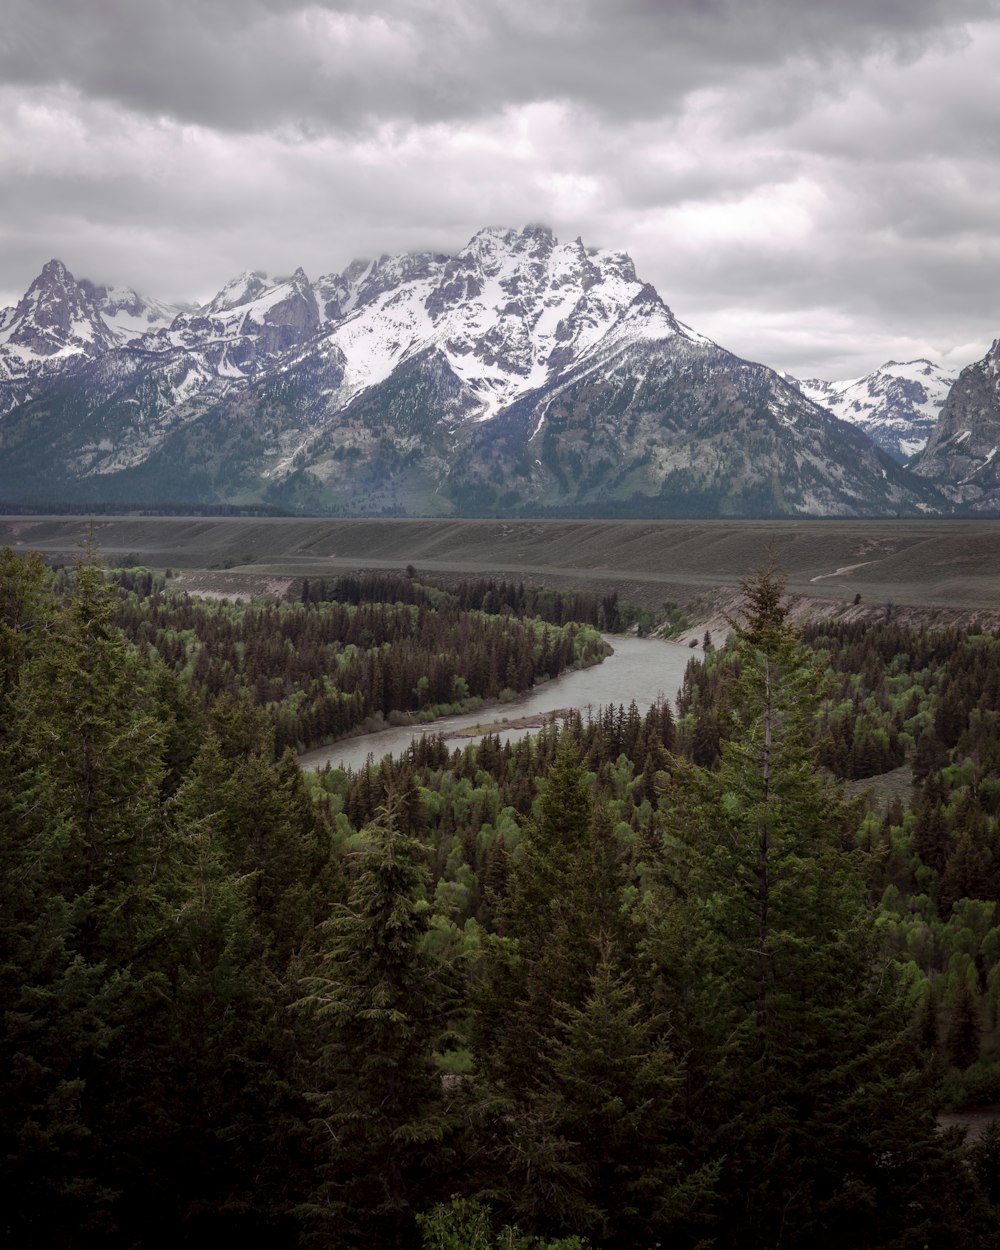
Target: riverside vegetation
x=358 y=652
x=633 y=981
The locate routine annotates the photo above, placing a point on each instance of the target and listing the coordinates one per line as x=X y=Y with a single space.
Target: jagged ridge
x=519 y=374
x=897 y=405
x=964 y=447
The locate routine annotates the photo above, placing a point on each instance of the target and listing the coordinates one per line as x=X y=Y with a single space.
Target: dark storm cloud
x=812 y=184
x=249 y=64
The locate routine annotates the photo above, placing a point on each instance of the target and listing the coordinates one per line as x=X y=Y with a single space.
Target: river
x=641 y=669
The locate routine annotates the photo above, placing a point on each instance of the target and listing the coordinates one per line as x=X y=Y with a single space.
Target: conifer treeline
x=361 y=649
x=931 y=698
x=485 y=594
x=577 y=985
x=895 y=692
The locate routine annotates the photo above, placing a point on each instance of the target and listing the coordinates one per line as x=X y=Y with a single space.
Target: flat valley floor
x=951 y=565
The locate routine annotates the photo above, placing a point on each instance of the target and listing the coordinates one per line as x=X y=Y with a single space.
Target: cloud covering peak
x=814 y=184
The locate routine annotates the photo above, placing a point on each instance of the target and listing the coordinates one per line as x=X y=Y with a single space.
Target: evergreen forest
x=642 y=979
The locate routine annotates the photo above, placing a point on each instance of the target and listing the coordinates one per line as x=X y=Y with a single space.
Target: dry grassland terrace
x=940 y=564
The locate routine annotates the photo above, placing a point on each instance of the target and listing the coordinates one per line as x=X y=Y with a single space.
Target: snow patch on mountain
x=240 y=290
x=519 y=371
x=507 y=312
x=897 y=405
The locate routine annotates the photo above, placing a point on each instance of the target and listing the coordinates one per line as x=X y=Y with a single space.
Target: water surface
x=641 y=669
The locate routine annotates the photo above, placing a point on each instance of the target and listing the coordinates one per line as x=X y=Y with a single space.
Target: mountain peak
x=54 y=269
x=57 y=280
x=964 y=447
x=897 y=404
x=520 y=372
x=240 y=290
x=56 y=316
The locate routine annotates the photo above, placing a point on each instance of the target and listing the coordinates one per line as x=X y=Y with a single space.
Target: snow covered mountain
x=897 y=405
x=521 y=374
x=60 y=323
x=964 y=449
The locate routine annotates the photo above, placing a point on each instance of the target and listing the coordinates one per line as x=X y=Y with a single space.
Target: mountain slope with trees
x=521 y=375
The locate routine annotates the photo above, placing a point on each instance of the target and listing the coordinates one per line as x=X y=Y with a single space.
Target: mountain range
x=897 y=405
x=519 y=376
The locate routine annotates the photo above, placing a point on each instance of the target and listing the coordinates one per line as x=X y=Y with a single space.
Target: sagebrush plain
x=933 y=563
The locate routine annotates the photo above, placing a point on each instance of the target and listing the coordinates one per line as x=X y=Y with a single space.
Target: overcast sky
x=813 y=183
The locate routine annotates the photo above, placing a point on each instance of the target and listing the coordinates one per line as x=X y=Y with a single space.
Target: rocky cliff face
x=55 y=317
x=963 y=452
x=519 y=374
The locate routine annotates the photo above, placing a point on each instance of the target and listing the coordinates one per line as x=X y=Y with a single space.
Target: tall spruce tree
x=382 y=1006
x=803 y=1076
x=89 y=751
x=577 y=1062
x=83 y=904
x=547 y=950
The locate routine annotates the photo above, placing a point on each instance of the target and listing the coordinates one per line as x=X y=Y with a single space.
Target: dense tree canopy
x=632 y=980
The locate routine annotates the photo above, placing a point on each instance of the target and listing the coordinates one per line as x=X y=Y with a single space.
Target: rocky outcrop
x=519 y=375
x=963 y=453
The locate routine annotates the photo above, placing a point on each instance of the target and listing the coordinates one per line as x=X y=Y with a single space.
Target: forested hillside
x=638 y=981
x=357 y=652
x=930 y=698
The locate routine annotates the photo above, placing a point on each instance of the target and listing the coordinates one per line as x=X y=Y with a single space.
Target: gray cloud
x=248 y=64
x=813 y=185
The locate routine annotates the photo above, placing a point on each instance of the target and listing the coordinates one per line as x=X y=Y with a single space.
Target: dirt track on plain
x=941 y=564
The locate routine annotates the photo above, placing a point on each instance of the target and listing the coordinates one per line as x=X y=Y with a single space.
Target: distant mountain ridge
x=519 y=375
x=59 y=317
x=897 y=405
x=963 y=452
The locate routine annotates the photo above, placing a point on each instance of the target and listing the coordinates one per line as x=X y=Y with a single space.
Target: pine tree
x=577 y=1064
x=265 y=827
x=84 y=906
x=967 y=874
x=607 y=1097
x=224 y=1133
x=89 y=751
x=963 y=1029
x=801 y=1054
x=984 y=1156
x=382 y=1007
x=547 y=951
x=24 y=612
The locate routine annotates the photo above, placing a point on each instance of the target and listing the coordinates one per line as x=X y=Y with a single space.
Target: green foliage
x=23 y=612
x=383 y=1006
x=984 y=1156
x=89 y=746
x=361 y=650
x=578 y=1064
x=795 y=1007
x=84 y=845
x=466 y=1225
x=622 y=978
